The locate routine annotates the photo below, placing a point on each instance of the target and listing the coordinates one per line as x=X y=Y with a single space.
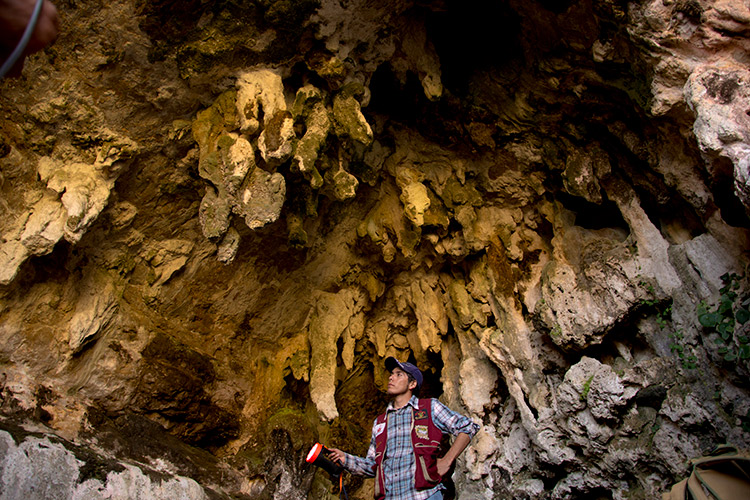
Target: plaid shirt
x=399 y=464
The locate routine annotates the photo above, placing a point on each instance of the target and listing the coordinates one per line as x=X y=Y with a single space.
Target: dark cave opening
x=472 y=36
x=400 y=101
x=404 y=102
x=556 y=6
x=468 y=39
x=295 y=393
x=730 y=207
x=57 y=266
x=598 y=494
x=592 y=215
x=626 y=335
x=675 y=218
x=432 y=387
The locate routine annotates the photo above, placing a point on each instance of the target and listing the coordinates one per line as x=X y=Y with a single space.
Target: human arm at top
x=459 y=445
x=456 y=424
x=359 y=466
x=15 y=16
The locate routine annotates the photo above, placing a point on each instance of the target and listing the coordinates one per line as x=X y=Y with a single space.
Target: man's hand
x=458 y=446
x=337 y=455
x=14 y=17
x=443 y=465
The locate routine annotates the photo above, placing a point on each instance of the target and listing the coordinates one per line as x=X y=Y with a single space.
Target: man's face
x=398 y=383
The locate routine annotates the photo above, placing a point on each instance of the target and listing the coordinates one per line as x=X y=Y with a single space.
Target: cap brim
x=391 y=363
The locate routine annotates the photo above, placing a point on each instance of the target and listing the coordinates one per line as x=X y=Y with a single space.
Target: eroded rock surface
x=220 y=218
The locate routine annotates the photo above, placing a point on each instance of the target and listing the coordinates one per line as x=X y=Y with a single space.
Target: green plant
x=746 y=422
x=731 y=312
x=664 y=316
x=556 y=331
x=586 y=388
x=689 y=360
x=663 y=312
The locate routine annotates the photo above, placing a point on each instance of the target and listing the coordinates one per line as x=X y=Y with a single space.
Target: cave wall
x=222 y=216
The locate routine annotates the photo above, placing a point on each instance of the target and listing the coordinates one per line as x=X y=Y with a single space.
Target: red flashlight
x=318 y=456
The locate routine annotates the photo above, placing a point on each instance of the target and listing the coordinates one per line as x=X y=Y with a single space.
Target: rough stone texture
x=220 y=217
x=42 y=467
x=718 y=95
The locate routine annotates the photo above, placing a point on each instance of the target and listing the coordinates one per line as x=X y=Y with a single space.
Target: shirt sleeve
x=362 y=466
x=451 y=422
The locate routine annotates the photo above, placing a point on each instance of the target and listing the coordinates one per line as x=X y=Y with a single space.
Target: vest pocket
x=431 y=476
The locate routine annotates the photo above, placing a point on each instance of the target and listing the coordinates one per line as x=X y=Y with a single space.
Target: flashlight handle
x=336 y=455
x=320 y=456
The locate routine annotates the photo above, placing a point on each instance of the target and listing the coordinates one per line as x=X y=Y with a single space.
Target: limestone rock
x=121 y=214
x=466 y=308
x=416 y=202
x=310 y=107
x=83 y=194
x=78 y=193
x=12 y=255
x=594 y=385
x=276 y=142
x=675 y=446
x=45 y=227
x=214 y=214
x=429 y=308
x=37 y=466
x=342 y=183
x=582 y=173
x=718 y=94
x=702 y=31
x=478 y=378
x=573 y=392
x=386 y=221
x=238 y=162
x=262 y=198
x=44 y=467
x=227 y=159
x=95 y=310
x=167 y=257
x=229 y=245
x=333 y=313
x=534 y=226
x=259 y=93
x=588 y=433
x=348 y=119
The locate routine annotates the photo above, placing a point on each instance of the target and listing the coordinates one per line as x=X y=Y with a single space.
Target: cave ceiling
x=219 y=217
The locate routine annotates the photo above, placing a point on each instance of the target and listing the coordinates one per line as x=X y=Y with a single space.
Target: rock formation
x=221 y=217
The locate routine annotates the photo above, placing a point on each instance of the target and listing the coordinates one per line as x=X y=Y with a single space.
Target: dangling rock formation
x=220 y=217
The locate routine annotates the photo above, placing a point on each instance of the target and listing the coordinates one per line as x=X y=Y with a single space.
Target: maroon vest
x=425 y=439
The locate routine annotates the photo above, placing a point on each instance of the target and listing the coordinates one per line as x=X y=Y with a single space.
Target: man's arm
x=357 y=465
x=459 y=445
x=456 y=424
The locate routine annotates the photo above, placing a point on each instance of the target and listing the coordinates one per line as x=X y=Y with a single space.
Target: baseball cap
x=391 y=363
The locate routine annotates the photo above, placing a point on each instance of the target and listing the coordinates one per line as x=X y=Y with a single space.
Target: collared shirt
x=399 y=464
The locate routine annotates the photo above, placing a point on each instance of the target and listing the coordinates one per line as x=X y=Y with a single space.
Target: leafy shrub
x=728 y=317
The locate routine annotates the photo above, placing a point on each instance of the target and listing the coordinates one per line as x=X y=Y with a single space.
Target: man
x=403 y=454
